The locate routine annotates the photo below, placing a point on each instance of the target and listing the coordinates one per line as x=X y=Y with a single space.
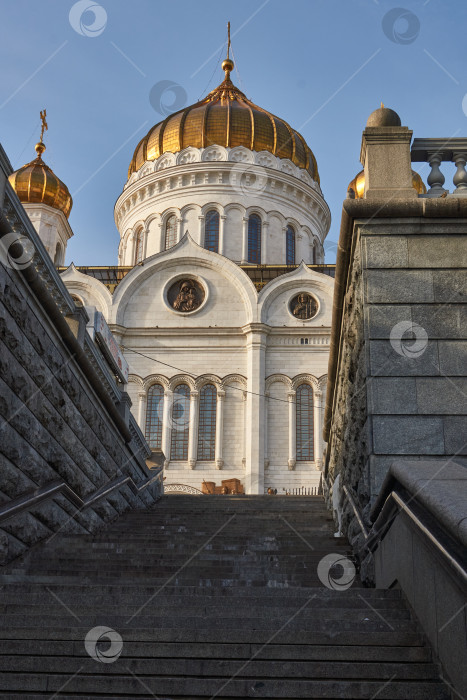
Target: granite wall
x=63 y=417
x=401 y=377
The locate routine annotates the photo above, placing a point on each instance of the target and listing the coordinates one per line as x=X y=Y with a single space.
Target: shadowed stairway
x=212 y=597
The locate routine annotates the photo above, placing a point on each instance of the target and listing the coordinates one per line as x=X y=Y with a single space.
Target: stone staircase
x=212 y=597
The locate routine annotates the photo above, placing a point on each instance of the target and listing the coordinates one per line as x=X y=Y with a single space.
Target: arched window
x=58 y=255
x=180 y=421
x=290 y=246
x=138 y=256
x=211 y=231
x=207 y=423
x=304 y=408
x=254 y=239
x=78 y=301
x=154 y=413
x=170 y=231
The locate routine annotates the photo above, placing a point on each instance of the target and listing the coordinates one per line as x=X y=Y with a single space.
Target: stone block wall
x=54 y=426
x=401 y=381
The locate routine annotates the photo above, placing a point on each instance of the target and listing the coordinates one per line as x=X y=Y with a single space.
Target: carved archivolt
x=232 y=379
x=208 y=379
x=182 y=488
x=135 y=379
x=182 y=379
x=305 y=379
x=155 y=379
x=278 y=378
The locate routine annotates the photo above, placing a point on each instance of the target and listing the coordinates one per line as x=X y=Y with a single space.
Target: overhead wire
x=195 y=376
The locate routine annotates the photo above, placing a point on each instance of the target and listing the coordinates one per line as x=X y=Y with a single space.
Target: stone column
x=223 y=219
x=245 y=432
x=266 y=418
x=264 y=242
x=245 y=241
x=256 y=367
x=317 y=396
x=292 y=396
x=193 y=434
x=167 y=426
x=219 y=427
x=142 y=401
x=161 y=236
x=202 y=231
x=180 y=229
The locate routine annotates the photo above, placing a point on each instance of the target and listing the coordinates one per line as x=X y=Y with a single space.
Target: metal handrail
x=381 y=526
x=35 y=496
x=357 y=513
x=383 y=522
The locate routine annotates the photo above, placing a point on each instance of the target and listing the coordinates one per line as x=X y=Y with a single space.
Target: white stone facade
x=247 y=344
x=52 y=227
x=235 y=182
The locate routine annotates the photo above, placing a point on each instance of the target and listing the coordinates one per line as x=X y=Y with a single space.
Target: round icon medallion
x=303 y=306
x=185 y=295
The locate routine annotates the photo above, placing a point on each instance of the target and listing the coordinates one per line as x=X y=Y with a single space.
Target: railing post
x=460 y=178
x=436 y=178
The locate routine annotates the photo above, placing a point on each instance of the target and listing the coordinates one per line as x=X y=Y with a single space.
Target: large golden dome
x=36 y=183
x=225 y=117
x=358 y=184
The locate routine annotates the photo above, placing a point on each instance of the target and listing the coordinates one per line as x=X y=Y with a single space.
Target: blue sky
x=322 y=65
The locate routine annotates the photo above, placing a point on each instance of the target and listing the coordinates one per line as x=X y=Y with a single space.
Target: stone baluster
x=460 y=178
x=219 y=428
x=291 y=396
x=167 y=426
x=436 y=178
x=193 y=434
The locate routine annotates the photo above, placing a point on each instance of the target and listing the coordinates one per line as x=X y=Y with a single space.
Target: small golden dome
x=225 y=117
x=358 y=184
x=36 y=183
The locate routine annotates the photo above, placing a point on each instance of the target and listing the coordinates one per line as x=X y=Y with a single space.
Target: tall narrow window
x=290 y=246
x=304 y=407
x=254 y=239
x=170 y=231
x=211 y=231
x=138 y=247
x=154 y=412
x=207 y=423
x=58 y=255
x=180 y=421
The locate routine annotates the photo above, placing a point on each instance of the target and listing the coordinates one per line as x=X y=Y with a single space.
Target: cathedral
x=221 y=301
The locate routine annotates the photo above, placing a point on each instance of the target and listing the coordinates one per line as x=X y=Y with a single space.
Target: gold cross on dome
x=44 y=123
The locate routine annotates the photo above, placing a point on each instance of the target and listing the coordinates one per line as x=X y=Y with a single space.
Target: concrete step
x=129 y=686
x=276 y=652
x=211 y=668
x=207 y=607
